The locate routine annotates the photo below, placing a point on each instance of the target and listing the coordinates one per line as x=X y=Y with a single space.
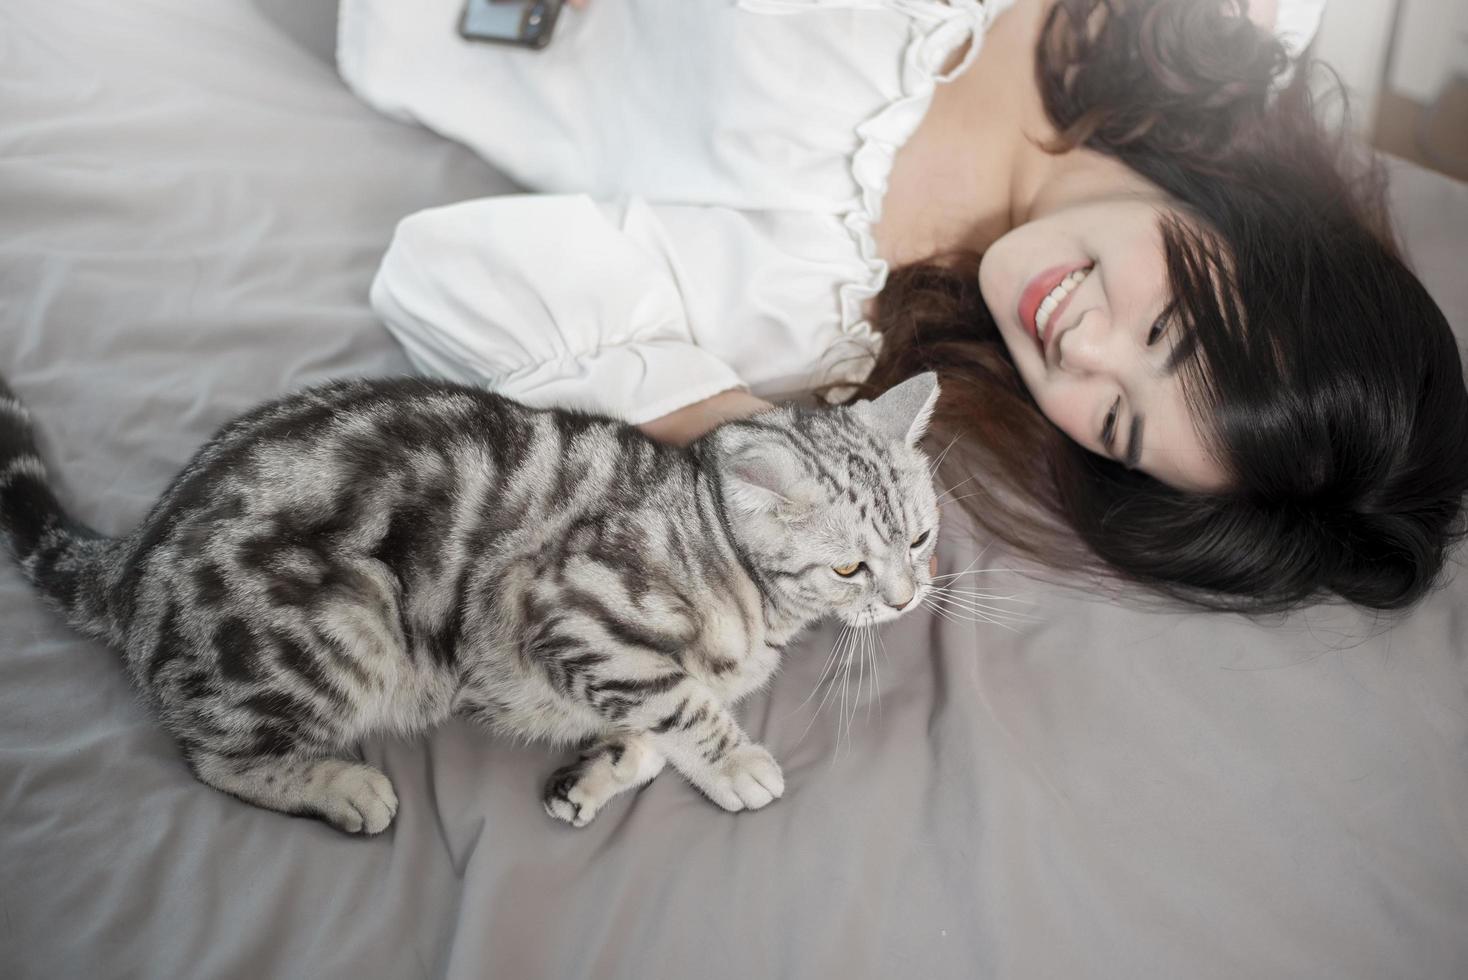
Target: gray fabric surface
x=191 y=207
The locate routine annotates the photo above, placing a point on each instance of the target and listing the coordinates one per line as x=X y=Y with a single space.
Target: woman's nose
x=1088 y=347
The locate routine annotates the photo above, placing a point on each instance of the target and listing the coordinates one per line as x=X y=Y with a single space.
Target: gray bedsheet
x=191 y=207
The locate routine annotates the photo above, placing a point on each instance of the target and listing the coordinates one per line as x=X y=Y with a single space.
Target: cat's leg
x=575 y=793
x=703 y=741
x=351 y=796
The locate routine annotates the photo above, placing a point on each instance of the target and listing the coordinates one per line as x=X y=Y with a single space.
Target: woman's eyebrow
x=1176 y=356
x=1133 y=453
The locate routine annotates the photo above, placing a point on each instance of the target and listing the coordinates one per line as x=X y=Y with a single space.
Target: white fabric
x=712 y=175
x=624 y=308
x=714 y=171
x=1296 y=21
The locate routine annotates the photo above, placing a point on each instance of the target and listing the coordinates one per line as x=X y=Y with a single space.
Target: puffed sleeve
x=550 y=300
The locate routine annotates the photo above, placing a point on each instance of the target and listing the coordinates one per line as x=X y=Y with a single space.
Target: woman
x=1173 y=329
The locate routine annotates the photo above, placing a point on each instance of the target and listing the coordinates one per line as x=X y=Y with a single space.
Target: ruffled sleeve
x=625 y=308
x=550 y=300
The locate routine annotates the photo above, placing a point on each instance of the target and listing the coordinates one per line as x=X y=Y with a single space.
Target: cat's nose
x=899 y=606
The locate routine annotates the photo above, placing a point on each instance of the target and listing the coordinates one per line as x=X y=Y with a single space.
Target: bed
x=191 y=209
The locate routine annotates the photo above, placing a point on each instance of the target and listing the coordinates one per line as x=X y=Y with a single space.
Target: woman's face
x=1094 y=353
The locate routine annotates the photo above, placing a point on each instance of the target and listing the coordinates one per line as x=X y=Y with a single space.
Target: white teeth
x=1060 y=292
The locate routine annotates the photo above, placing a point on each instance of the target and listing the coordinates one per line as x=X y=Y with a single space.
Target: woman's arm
x=550 y=300
x=688 y=423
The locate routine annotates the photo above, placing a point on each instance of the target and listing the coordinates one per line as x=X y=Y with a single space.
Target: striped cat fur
x=376 y=556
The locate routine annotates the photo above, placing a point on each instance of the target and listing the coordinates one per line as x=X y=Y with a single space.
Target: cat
x=375 y=556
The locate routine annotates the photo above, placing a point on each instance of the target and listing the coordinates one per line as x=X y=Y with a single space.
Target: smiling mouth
x=1045 y=297
x=1052 y=303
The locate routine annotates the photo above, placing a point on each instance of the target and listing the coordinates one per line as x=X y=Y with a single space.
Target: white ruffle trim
x=940 y=27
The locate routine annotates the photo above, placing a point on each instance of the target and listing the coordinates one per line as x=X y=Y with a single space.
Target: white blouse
x=709 y=174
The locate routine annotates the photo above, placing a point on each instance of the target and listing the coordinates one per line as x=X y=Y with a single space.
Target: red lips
x=1035 y=293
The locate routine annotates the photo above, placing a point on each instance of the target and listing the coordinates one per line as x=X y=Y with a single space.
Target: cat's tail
x=63 y=559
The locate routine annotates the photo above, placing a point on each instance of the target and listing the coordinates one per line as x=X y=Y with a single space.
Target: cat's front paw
x=567 y=797
x=356 y=800
x=575 y=793
x=746 y=779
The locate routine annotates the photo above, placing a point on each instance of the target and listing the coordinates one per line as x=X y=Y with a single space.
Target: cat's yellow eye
x=918 y=541
x=846 y=571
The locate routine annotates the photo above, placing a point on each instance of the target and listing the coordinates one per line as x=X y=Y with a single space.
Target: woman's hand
x=691 y=421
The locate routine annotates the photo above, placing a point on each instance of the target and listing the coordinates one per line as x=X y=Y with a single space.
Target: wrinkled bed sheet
x=191 y=208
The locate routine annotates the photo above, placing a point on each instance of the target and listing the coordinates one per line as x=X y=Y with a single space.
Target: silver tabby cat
x=376 y=556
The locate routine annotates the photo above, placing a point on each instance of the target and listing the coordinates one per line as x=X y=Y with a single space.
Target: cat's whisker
x=966 y=619
x=971 y=615
x=867 y=647
x=873 y=638
x=811 y=724
x=830 y=691
x=943 y=584
x=954 y=500
x=981 y=595
x=931 y=601
x=974 y=616
x=949 y=491
x=843 y=675
x=967 y=588
x=976 y=601
x=940 y=612
x=933 y=466
x=859 y=668
x=967 y=568
x=842 y=639
x=832 y=659
x=883 y=644
x=852 y=662
x=975 y=571
x=991 y=613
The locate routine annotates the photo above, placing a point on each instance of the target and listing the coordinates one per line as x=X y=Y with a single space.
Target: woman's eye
x=1108 y=430
x=917 y=542
x=846 y=571
x=1158 y=328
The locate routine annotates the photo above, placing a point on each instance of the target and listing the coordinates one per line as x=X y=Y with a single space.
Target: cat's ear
x=902 y=412
x=765 y=478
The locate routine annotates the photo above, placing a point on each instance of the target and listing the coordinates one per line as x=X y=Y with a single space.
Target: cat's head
x=836 y=507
